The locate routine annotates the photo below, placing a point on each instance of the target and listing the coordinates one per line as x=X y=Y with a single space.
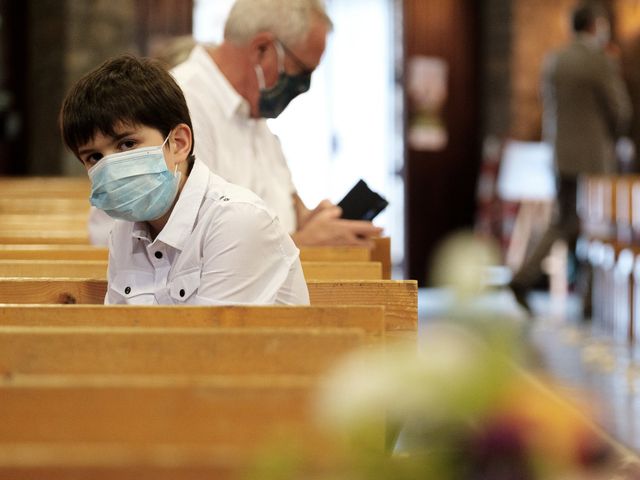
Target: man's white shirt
x=240 y=149
x=221 y=245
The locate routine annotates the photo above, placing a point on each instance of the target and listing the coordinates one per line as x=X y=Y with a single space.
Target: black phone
x=362 y=203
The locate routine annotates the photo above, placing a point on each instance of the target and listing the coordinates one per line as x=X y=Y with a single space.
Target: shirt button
x=182 y=292
x=158 y=254
x=127 y=290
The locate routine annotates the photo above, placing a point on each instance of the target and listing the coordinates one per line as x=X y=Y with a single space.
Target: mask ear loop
x=262 y=84
x=281 y=55
x=260 y=75
x=166 y=139
x=175 y=170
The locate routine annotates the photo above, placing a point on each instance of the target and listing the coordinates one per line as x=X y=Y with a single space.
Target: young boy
x=183 y=234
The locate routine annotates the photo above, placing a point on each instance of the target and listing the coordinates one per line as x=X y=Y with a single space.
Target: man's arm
x=615 y=97
x=323 y=226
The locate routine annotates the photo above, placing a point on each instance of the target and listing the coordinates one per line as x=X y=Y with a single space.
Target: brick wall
x=538 y=27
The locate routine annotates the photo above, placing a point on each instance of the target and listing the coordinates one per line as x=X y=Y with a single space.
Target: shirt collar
x=184 y=215
x=185 y=212
x=231 y=101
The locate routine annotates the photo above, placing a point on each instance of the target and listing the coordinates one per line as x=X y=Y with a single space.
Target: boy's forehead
x=116 y=130
x=99 y=137
x=122 y=127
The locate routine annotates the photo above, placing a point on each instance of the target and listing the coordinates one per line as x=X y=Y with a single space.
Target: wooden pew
x=173 y=351
x=46 y=187
x=238 y=413
x=382 y=253
x=370 y=319
x=75 y=461
x=399 y=297
x=52 y=252
x=43 y=206
x=48 y=251
x=54 y=268
x=342 y=270
x=42 y=220
x=98 y=269
x=335 y=254
x=45 y=235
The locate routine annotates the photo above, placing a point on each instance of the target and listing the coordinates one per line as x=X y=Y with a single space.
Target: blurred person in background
x=586 y=108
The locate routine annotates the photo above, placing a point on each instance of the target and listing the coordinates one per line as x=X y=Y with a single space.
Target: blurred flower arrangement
x=464 y=411
x=461 y=406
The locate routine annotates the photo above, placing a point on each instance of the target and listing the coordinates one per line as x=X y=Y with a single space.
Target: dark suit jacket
x=586 y=107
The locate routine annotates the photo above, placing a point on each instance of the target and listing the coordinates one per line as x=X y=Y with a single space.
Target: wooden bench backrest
x=382 y=253
x=234 y=412
x=173 y=351
x=46 y=187
x=46 y=221
x=42 y=205
x=52 y=252
x=50 y=235
x=399 y=297
x=370 y=319
x=335 y=254
x=98 y=269
x=90 y=252
x=54 y=268
x=65 y=461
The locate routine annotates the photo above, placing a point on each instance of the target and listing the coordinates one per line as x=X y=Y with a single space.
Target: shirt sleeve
x=614 y=96
x=100 y=224
x=249 y=259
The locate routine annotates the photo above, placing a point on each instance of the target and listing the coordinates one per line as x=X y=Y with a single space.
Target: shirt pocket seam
x=185 y=285
x=129 y=284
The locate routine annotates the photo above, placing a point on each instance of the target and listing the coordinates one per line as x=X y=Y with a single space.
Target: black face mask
x=274 y=100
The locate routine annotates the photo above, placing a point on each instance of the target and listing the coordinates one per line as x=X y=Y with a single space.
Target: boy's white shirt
x=221 y=245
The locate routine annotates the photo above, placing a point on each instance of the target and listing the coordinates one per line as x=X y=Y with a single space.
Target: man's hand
x=323 y=226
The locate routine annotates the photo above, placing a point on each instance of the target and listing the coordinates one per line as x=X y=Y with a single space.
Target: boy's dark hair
x=125 y=89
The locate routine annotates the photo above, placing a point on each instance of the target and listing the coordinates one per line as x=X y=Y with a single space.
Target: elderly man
x=269 y=51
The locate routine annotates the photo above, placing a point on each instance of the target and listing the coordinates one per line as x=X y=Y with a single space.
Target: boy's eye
x=127 y=144
x=94 y=157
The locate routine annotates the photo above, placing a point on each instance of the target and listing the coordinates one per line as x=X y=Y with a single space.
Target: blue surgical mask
x=134 y=185
x=274 y=100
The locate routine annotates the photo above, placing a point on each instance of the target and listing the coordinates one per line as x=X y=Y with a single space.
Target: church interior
x=427 y=353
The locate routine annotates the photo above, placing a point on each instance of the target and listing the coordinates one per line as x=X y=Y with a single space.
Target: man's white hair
x=289 y=20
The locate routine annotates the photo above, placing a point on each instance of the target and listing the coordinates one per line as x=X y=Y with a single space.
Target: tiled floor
x=601 y=368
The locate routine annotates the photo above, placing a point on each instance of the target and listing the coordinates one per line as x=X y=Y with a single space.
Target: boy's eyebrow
x=116 y=138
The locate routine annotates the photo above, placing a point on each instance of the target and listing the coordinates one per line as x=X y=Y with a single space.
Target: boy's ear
x=181 y=140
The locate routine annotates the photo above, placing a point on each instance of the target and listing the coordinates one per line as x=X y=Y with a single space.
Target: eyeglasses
x=301 y=65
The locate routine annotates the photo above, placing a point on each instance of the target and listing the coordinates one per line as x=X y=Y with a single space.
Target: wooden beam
x=399 y=297
x=98 y=269
x=369 y=319
x=53 y=252
x=234 y=412
x=382 y=253
x=335 y=254
x=173 y=351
